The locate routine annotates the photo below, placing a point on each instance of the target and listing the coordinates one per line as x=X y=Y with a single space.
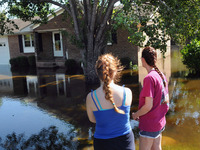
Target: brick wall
x=14 y=47
x=124 y=48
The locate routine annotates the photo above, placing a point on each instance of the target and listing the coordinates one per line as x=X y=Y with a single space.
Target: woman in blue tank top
x=109 y=107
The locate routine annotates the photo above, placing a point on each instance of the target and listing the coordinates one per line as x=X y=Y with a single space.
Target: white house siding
x=4 y=51
x=6 y=81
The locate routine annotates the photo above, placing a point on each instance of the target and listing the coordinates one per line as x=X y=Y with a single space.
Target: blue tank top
x=109 y=123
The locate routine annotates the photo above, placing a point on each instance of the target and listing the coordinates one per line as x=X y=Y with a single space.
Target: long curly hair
x=109 y=68
x=150 y=56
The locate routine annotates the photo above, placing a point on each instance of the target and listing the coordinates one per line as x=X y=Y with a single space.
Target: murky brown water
x=60 y=99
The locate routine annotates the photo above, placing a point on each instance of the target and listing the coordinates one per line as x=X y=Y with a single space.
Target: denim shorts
x=153 y=135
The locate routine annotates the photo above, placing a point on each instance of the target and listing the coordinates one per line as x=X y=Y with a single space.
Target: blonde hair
x=109 y=68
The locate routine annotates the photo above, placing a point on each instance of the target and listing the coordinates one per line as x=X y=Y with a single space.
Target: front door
x=57 y=44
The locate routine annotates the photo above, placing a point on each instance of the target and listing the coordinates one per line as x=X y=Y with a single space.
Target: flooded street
x=30 y=102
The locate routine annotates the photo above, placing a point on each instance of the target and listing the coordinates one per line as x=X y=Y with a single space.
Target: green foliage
x=160 y=21
x=127 y=63
x=5 y=24
x=133 y=67
x=21 y=61
x=191 y=56
x=32 y=61
x=71 y=66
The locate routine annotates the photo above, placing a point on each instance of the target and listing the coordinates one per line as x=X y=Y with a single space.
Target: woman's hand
x=135 y=117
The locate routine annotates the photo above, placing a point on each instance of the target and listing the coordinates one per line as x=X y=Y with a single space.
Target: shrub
x=128 y=63
x=31 y=61
x=21 y=61
x=13 y=62
x=125 y=61
x=191 y=56
x=71 y=66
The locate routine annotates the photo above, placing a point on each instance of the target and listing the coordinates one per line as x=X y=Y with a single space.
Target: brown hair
x=109 y=68
x=150 y=56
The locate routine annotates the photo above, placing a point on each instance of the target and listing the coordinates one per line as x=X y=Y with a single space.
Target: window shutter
x=21 y=49
x=40 y=42
x=114 y=37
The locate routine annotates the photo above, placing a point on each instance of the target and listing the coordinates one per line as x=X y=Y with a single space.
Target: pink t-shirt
x=154 y=120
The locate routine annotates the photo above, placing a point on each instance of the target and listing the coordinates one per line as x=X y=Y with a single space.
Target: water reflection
x=46 y=139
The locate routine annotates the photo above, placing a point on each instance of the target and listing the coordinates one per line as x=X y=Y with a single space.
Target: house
x=21 y=43
x=51 y=45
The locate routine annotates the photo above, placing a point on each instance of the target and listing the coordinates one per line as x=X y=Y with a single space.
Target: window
x=57 y=42
x=2 y=44
x=28 y=40
x=112 y=37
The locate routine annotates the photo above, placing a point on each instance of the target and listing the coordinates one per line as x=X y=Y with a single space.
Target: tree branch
x=99 y=13
x=75 y=19
x=106 y=17
x=93 y=16
x=88 y=4
x=55 y=3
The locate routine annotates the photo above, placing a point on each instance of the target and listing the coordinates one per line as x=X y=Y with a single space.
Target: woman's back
x=109 y=123
x=118 y=93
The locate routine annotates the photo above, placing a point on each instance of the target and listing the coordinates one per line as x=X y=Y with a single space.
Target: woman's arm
x=144 y=109
x=90 y=113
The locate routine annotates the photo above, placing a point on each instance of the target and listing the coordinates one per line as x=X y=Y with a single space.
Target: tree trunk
x=90 y=72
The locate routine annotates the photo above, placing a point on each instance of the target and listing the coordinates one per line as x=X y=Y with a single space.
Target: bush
x=21 y=61
x=125 y=62
x=32 y=61
x=13 y=62
x=71 y=66
x=191 y=56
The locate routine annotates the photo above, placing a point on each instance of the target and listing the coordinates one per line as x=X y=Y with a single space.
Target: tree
x=94 y=19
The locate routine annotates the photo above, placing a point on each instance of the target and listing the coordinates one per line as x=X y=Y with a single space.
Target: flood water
x=49 y=105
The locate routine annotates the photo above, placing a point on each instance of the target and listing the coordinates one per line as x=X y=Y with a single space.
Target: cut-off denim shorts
x=152 y=135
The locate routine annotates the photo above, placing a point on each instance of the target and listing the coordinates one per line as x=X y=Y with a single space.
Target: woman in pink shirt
x=153 y=103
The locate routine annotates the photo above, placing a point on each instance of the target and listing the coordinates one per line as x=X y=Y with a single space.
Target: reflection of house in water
x=6 y=82
x=32 y=85
x=25 y=85
x=61 y=84
x=18 y=85
x=56 y=87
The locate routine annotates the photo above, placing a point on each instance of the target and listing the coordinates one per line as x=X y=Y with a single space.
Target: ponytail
x=161 y=75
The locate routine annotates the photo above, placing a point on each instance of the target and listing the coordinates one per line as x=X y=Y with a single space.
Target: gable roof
x=21 y=25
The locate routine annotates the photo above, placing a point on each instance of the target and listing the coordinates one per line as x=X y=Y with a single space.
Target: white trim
x=27 y=28
x=31 y=48
x=60 y=78
x=49 y=30
x=59 y=53
x=34 y=80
